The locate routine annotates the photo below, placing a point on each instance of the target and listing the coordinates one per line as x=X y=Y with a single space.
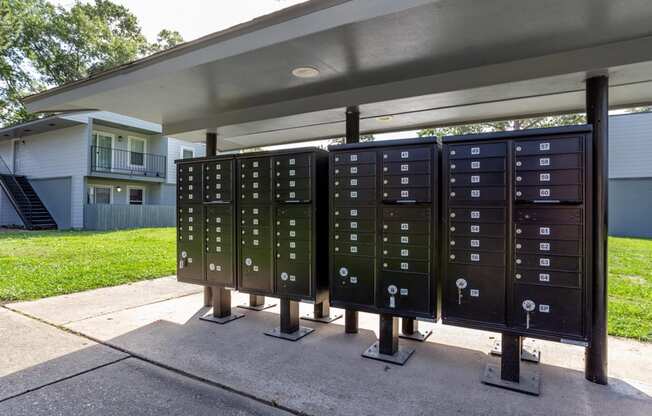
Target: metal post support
x=350 y=321
x=208 y=297
x=257 y=303
x=410 y=330
x=322 y=313
x=597 y=114
x=221 y=313
x=529 y=350
x=289 y=328
x=387 y=348
x=509 y=374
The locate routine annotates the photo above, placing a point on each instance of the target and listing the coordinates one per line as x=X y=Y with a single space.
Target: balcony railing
x=124 y=162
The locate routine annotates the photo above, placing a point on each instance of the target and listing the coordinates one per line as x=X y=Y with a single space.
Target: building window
x=136 y=196
x=136 y=151
x=99 y=195
x=187 y=152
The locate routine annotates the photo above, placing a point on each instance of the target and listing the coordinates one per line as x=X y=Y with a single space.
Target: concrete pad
x=63 y=309
x=324 y=373
x=133 y=387
x=33 y=354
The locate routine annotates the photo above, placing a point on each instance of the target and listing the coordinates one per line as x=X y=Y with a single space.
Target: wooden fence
x=113 y=217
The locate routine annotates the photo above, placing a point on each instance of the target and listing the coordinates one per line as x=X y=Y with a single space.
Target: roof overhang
x=422 y=62
x=39 y=126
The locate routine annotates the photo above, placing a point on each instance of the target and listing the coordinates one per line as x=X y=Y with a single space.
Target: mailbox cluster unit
x=517 y=244
x=384 y=227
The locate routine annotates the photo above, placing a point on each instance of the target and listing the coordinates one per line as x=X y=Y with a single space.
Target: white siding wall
x=174 y=153
x=630 y=146
x=7 y=153
x=54 y=154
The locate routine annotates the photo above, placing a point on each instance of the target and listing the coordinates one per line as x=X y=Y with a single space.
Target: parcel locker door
x=474 y=293
x=294 y=266
x=553 y=309
x=220 y=245
x=293 y=278
x=256 y=249
x=353 y=280
x=190 y=235
x=401 y=293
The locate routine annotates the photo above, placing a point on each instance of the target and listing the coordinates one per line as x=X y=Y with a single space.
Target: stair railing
x=26 y=216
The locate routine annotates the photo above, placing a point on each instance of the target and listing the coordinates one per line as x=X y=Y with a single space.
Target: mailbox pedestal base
x=350 y=321
x=322 y=313
x=410 y=330
x=290 y=329
x=221 y=313
x=257 y=303
x=387 y=348
x=509 y=374
x=529 y=351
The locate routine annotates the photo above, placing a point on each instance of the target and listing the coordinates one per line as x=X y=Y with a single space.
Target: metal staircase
x=27 y=203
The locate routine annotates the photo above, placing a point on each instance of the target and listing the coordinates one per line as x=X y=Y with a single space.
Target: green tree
x=42 y=46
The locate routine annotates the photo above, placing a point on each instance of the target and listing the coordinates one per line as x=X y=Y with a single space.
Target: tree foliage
x=42 y=46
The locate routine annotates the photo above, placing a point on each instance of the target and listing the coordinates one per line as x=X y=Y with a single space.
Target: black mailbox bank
x=383 y=231
x=517 y=211
x=253 y=222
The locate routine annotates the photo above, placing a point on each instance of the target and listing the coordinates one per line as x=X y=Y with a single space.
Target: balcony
x=109 y=161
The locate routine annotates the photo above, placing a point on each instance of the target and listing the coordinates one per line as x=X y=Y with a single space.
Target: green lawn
x=35 y=265
x=39 y=264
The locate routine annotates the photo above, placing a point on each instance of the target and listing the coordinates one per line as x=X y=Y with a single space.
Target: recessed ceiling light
x=384 y=118
x=27 y=130
x=305 y=72
x=51 y=124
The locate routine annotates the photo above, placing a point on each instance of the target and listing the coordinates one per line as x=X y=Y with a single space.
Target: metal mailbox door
x=190 y=235
x=220 y=245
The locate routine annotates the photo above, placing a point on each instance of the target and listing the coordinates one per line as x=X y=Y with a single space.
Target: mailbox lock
x=248 y=261
x=284 y=276
x=184 y=255
x=392 y=290
x=528 y=306
x=518 y=275
x=344 y=271
x=461 y=285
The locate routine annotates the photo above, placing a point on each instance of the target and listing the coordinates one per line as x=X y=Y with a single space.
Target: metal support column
x=257 y=303
x=352 y=136
x=529 y=350
x=208 y=296
x=290 y=329
x=322 y=313
x=221 y=313
x=410 y=330
x=509 y=374
x=211 y=150
x=387 y=348
x=597 y=114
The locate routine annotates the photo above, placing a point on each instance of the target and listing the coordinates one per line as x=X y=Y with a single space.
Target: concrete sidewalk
x=155 y=330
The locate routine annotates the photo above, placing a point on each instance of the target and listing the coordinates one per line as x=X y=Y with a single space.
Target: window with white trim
x=136 y=151
x=187 y=152
x=100 y=195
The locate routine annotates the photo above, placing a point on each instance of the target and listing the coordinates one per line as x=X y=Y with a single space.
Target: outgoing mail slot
x=477 y=243
x=293 y=278
x=352 y=279
x=362 y=213
x=398 y=293
x=366 y=182
x=476 y=229
x=477 y=214
x=256 y=272
x=401 y=154
x=553 y=215
x=291 y=161
x=483 y=194
x=354 y=248
x=407 y=239
x=548 y=262
x=407 y=226
x=354 y=157
x=494 y=164
x=293 y=211
x=551 y=177
x=557 y=310
x=548 y=146
x=292 y=184
x=547 y=277
x=404 y=168
x=568 y=193
x=354 y=170
x=287 y=223
x=477 y=179
x=480 y=258
x=406 y=181
x=570 y=247
x=349 y=196
x=407 y=195
x=549 y=162
x=293 y=173
x=405 y=265
x=483 y=297
x=544 y=231
x=354 y=236
x=302 y=195
x=477 y=150
x=354 y=225
x=398 y=251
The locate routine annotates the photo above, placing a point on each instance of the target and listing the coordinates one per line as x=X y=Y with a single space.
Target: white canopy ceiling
x=424 y=62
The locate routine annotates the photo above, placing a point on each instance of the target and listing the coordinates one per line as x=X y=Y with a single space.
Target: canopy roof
x=424 y=62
